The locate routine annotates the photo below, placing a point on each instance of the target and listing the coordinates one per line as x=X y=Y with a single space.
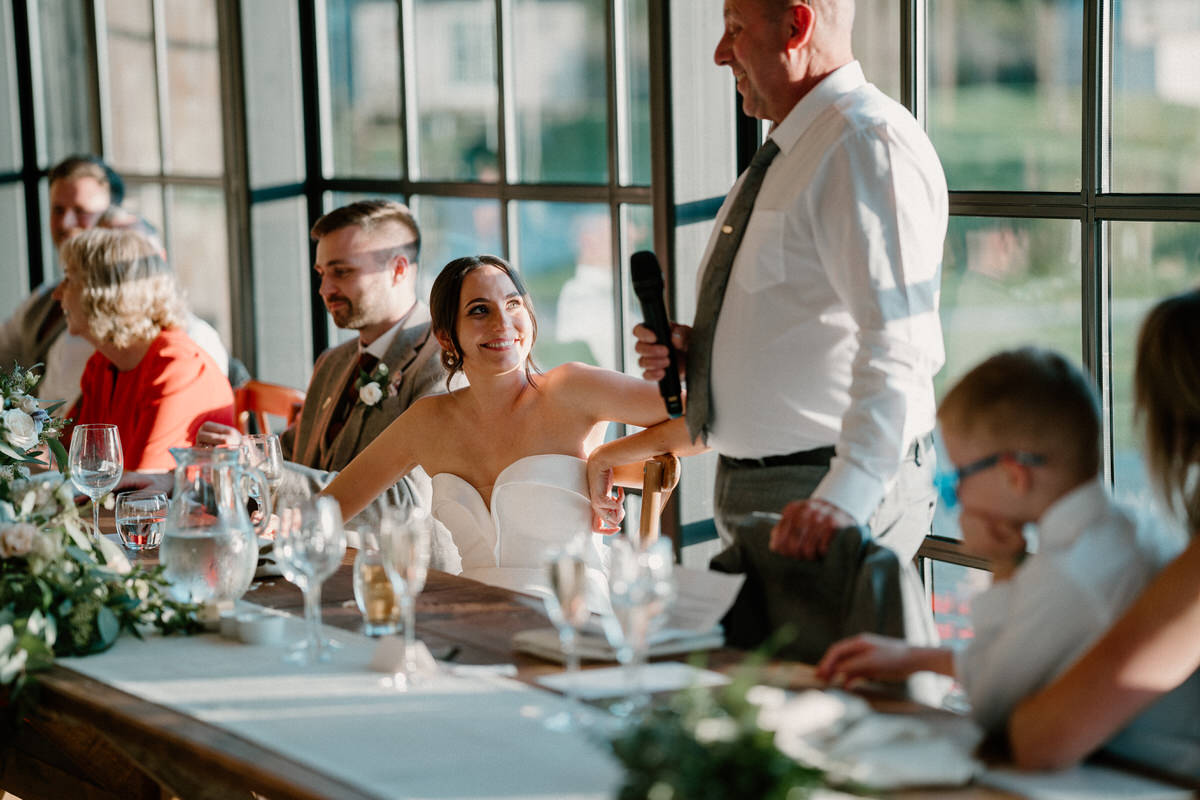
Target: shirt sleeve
x=1027 y=630
x=879 y=216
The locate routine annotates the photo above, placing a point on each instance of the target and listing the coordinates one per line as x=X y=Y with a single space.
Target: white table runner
x=449 y=737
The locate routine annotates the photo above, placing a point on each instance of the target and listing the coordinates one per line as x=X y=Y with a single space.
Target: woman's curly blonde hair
x=128 y=292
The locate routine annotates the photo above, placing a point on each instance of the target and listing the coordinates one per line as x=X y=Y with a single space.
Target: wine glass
x=96 y=464
x=641 y=586
x=406 y=547
x=309 y=547
x=140 y=518
x=263 y=452
x=566 y=605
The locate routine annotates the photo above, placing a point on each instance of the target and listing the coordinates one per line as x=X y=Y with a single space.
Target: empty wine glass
x=566 y=605
x=406 y=547
x=96 y=464
x=641 y=586
x=309 y=547
x=140 y=518
x=264 y=453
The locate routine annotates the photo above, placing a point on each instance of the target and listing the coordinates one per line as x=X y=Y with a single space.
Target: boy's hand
x=1001 y=541
x=867 y=656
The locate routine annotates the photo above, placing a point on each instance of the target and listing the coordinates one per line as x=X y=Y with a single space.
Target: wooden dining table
x=87 y=739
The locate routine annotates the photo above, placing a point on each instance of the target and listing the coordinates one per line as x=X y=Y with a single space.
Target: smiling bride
x=507 y=452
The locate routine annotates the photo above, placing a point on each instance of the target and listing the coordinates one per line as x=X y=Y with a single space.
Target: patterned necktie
x=366 y=363
x=712 y=292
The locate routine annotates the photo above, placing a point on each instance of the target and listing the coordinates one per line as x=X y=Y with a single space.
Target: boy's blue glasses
x=947 y=482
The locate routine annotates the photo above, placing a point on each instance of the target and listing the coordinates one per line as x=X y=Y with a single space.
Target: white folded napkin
x=839 y=733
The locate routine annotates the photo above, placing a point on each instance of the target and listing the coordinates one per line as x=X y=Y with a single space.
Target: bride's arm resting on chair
x=609 y=464
x=1153 y=648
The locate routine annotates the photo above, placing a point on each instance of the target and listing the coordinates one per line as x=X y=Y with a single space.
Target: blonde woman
x=147 y=376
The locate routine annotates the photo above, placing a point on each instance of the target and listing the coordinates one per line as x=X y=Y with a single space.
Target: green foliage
x=708 y=744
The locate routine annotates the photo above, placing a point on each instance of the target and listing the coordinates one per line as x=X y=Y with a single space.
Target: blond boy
x=1022 y=432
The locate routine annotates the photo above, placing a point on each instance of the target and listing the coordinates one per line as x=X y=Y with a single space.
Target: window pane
x=282 y=317
x=61 y=85
x=954 y=587
x=271 y=62
x=132 y=89
x=455 y=89
x=10 y=129
x=146 y=200
x=564 y=253
x=1006 y=283
x=1149 y=260
x=452 y=227
x=194 y=88
x=1004 y=93
x=560 y=91
x=635 y=115
x=702 y=100
x=14 y=267
x=877 y=43
x=1156 y=97
x=200 y=253
x=366 y=135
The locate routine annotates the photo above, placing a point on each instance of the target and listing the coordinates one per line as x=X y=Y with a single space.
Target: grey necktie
x=712 y=292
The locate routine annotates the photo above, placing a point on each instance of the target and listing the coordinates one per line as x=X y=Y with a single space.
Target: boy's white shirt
x=1094 y=558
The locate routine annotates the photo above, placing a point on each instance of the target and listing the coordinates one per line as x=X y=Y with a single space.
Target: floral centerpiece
x=63 y=591
x=726 y=742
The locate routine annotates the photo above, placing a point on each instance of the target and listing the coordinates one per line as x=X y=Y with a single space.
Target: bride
x=507 y=452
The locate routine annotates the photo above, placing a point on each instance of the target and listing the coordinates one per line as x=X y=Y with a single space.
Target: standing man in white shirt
x=811 y=370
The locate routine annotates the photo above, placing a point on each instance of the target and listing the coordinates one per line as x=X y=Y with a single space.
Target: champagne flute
x=140 y=518
x=263 y=452
x=641 y=586
x=566 y=605
x=406 y=545
x=95 y=462
x=309 y=546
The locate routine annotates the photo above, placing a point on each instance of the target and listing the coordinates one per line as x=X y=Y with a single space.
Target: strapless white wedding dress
x=538 y=503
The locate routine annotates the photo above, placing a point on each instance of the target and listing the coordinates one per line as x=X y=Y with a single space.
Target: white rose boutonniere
x=371 y=386
x=27 y=403
x=20 y=431
x=370 y=394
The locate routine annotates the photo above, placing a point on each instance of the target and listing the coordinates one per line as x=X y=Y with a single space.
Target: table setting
x=334 y=663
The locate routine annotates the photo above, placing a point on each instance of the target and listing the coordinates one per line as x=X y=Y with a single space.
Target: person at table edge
x=367 y=255
x=828 y=337
x=85 y=192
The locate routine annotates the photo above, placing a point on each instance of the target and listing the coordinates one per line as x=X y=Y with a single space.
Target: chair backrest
x=660 y=477
x=258 y=399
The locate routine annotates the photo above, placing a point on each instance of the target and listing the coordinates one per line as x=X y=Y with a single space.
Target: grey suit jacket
x=20 y=341
x=415 y=370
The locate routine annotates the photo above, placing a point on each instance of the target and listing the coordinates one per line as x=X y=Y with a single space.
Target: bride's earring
x=451 y=360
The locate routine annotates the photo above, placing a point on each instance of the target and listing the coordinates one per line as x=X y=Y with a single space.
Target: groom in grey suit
x=367 y=262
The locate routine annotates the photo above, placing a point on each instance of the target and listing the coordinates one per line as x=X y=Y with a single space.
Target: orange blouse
x=158 y=404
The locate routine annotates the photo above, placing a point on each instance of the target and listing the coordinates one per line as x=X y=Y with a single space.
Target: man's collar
x=841 y=81
x=379 y=347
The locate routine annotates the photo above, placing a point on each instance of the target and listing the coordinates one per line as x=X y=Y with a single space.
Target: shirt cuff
x=851 y=489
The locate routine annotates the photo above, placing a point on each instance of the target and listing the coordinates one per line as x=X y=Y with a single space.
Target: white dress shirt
x=1094 y=558
x=829 y=331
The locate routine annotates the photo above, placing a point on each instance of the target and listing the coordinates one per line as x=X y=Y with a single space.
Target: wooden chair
x=258 y=399
x=658 y=478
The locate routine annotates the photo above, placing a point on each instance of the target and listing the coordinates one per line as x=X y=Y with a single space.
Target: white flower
x=716 y=729
x=370 y=394
x=19 y=429
x=48 y=546
x=26 y=403
x=17 y=539
x=113 y=556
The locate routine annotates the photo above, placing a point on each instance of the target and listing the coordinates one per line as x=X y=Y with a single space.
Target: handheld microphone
x=648 y=285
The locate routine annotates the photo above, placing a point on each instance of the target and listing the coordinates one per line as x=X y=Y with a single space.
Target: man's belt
x=819 y=456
